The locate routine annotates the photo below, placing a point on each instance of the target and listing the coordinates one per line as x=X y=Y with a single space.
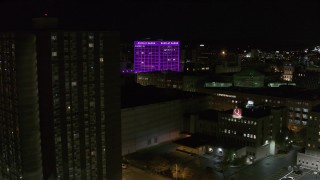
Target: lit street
x=269 y=168
x=266 y=168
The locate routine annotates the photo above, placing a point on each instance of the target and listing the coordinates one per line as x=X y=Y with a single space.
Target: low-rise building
x=254 y=129
x=311 y=157
x=152 y=115
x=298 y=101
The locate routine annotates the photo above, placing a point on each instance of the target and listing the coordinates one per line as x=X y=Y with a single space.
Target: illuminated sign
x=156 y=43
x=226 y=95
x=237 y=113
x=156 y=56
x=250 y=104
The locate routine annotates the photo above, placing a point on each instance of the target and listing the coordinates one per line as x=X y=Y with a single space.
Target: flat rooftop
x=282 y=91
x=316 y=109
x=193 y=142
x=136 y=95
x=257 y=112
x=208 y=115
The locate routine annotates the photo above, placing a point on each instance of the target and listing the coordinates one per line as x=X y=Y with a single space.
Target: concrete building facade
x=61 y=104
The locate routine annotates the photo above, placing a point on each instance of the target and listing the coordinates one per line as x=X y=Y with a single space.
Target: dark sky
x=229 y=22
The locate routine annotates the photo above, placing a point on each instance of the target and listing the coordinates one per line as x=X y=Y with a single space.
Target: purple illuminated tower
x=156 y=56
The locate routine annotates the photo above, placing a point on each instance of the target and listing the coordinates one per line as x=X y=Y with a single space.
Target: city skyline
x=181 y=89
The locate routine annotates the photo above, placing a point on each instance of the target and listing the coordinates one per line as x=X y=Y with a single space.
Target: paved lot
x=270 y=168
x=133 y=173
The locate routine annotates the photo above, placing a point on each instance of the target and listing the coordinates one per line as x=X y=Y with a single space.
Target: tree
x=210 y=176
x=176 y=170
x=159 y=164
x=191 y=172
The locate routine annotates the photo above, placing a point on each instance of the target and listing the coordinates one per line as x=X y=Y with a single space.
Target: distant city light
x=223 y=52
x=201 y=45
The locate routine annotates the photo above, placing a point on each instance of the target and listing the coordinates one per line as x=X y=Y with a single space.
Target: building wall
x=156 y=56
x=245 y=131
x=308 y=161
x=309 y=79
x=295 y=119
x=146 y=126
x=19 y=114
x=86 y=103
x=149 y=125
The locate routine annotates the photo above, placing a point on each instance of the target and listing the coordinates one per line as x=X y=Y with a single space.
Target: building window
x=54 y=54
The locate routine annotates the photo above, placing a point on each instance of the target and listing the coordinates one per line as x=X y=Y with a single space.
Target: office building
x=299 y=102
x=19 y=113
x=310 y=158
x=78 y=88
x=156 y=56
x=249 y=130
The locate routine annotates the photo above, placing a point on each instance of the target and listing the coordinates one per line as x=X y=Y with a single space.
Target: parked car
x=287 y=178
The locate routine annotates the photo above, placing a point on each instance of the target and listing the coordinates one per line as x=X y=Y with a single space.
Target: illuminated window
x=101 y=59
x=54 y=54
x=53 y=37
x=91 y=45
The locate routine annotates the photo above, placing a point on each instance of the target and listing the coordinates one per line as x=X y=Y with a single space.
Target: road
x=272 y=167
x=265 y=168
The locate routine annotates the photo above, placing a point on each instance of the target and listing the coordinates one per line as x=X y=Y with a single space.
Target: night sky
x=266 y=24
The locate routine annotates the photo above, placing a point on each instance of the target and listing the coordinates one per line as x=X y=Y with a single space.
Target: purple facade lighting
x=156 y=56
